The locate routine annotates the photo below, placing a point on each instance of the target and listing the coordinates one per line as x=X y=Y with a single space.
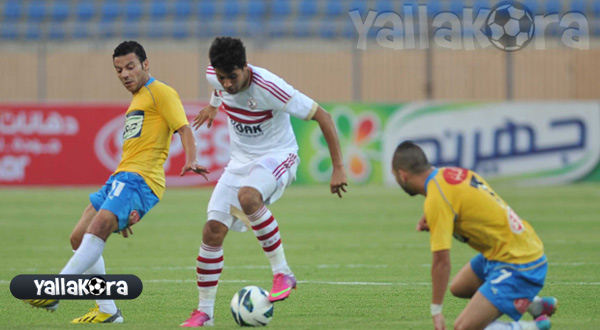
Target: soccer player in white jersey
x=263 y=163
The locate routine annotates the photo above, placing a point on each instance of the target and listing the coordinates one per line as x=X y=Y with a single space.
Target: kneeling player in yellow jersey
x=154 y=115
x=510 y=269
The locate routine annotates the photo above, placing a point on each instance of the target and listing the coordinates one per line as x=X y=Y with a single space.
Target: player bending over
x=264 y=158
x=138 y=183
x=507 y=274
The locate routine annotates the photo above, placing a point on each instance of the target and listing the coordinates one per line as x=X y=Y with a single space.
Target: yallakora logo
x=81 y=287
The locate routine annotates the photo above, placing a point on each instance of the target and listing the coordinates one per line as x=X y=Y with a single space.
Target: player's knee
x=456 y=290
x=214 y=233
x=460 y=290
x=75 y=240
x=250 y=199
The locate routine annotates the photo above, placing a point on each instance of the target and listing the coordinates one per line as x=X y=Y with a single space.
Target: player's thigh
x=271 y=175
x=259 y=183
x=82 y=225
x=478 y=314
x=127 y=192
x=223 y=198
x=465 y=283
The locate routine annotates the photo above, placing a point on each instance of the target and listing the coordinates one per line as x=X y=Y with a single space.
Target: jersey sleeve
x=283 y=97
x=440 y=217
x=170 y=107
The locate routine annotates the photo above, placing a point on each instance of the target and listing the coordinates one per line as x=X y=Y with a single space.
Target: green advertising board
x=360 y=128
x=529 y=142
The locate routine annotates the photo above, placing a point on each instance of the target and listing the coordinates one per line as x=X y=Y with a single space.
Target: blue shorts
x=123 y=193
x=510 y=287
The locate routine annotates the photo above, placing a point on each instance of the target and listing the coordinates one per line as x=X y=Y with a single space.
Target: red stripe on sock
x=208 y=271
x=272 y=247
x=266 y=236
x=264 y=224
x=210 y=261
x=207 y=284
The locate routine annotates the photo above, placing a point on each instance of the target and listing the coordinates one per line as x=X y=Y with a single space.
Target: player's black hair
x=227 y=54
x=128 y=47
x=410 y=157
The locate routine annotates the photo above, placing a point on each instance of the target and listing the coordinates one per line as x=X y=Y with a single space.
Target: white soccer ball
x=510 y=26
x=251 y=307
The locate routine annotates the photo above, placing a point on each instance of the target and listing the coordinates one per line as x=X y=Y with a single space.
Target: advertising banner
x=80 y=144
x=524 y=142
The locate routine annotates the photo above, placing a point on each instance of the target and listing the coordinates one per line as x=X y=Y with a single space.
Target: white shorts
x=270 y=175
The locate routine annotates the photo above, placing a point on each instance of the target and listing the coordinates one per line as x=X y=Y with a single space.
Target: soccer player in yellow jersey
x=510 y=269
x=155 y=113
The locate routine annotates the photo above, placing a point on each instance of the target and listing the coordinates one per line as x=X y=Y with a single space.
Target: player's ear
x=145 y=65
x=403 y=175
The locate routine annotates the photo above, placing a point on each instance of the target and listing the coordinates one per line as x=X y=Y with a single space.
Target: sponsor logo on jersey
x=133 y=124
x=455 y=175
x=247 y=129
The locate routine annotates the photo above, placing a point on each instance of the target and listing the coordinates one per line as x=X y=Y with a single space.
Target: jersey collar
x=151 y=80
x=431 y=175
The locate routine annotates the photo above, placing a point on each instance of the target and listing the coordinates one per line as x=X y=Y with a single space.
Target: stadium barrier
x=524 y=142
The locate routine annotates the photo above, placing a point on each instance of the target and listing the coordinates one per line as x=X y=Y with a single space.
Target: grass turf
x=359 y=262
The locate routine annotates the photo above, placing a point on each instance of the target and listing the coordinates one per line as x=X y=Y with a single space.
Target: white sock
x=105 y=306
x=266 y=230
x=97 y=268
x=209 y=266
x=87 y=255
x=536 y=307
x=521 y=325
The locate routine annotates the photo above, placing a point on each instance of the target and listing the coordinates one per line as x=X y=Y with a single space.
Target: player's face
x=403 y=182
x=131 y=72
x=233 y=81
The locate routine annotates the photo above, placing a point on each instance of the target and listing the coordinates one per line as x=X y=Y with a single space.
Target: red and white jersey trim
x=245 y=116
x=275 y=90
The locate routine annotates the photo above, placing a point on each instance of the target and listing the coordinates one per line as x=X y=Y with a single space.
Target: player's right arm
x=439 y=217
x=209 y=112
x=440 y=275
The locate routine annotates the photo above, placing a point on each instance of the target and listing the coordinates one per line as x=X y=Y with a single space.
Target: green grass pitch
x=359 y=261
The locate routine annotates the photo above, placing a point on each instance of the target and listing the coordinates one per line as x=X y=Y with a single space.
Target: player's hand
x=338 y=181
x=422 y=224
x=438 y=322
x=208 y=113
x=194 y=167
x=134 y=217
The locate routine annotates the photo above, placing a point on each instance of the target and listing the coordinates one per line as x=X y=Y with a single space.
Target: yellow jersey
x=154 y=114
x=460 y=203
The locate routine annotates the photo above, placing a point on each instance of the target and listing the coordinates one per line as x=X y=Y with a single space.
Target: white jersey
x=259 y=117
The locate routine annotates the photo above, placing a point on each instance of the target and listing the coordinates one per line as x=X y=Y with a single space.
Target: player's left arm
x=338 y=177
x=171 y=109
x=303 y=107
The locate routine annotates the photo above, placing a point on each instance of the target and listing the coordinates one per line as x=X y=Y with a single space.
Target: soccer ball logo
x=96 y=285
x=510 y=26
